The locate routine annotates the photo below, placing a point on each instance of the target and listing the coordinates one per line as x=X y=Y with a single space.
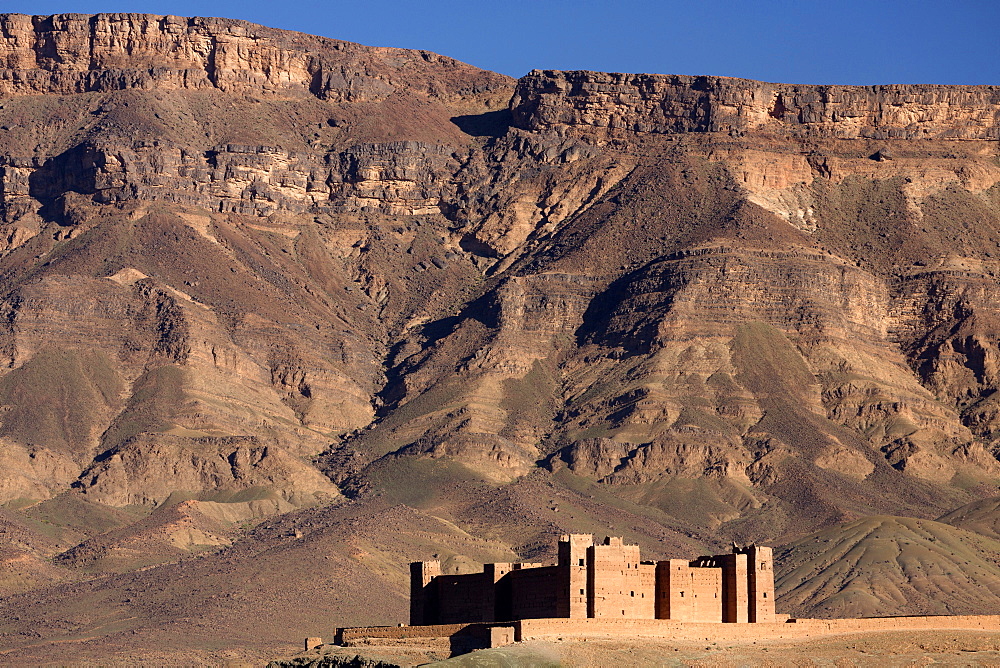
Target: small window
x=581 y=592
x=581 y=562
x=682 y=594
x=632 y=594
x=765 y=594
x=716 y=594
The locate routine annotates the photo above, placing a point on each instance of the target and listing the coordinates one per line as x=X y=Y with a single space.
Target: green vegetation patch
x=769 y=364
x=60 y=399
x=72 y=511
x=691 y=416
x=439 y=399
x=632 y=499
x=418 y=482
x=700 y=501
x=155 y=395
x=531 y=396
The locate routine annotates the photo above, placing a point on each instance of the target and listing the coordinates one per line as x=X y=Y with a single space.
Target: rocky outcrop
x=150 y=80
x=65 y=54
x=710 y=341
x=661 y=104
x=147 y=470
x=407 y=178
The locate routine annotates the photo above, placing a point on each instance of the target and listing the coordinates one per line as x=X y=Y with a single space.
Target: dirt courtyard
x=873 y=648
x=929 y=647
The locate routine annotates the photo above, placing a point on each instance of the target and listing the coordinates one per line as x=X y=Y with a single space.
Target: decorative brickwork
x=605 y=581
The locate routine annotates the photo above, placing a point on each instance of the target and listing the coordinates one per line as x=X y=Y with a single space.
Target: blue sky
x=803 y=41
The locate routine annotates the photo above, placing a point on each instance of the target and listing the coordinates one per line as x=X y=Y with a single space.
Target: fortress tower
x=618 y=583
x=423 y=601
x=572 y=564
x=735 y=588
x=760 y=583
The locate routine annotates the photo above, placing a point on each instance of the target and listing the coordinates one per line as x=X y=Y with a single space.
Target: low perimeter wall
x=463 y=637
x=401 y=632
x=528 y=629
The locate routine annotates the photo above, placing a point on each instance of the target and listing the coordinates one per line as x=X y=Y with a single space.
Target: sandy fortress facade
x=600 y=581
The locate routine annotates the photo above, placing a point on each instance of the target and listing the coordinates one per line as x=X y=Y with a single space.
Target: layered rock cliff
x=78 y=53
x=663 y=104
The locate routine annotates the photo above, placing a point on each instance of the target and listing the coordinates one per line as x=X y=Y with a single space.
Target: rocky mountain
x=248 y=273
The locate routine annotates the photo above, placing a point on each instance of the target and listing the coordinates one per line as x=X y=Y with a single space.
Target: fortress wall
x=464 y=598
x=985 y=622
x=802 y=628
x=674 y=595
x=617 y=627
x=686 y=592
x=667 y=606
x=397 y=632
x=706 y=594
x=600 y=581
x=646 y=603
x=502 y=603
x=660 y=628
x=534 y=592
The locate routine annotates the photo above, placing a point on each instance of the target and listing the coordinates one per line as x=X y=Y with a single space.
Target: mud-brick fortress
x=606 y=581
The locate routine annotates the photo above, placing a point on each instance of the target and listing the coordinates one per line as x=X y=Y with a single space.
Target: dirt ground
x=886 y=648
x=878 y=648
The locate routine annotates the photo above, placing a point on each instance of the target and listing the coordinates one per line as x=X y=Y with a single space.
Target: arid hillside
x=281 y=313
